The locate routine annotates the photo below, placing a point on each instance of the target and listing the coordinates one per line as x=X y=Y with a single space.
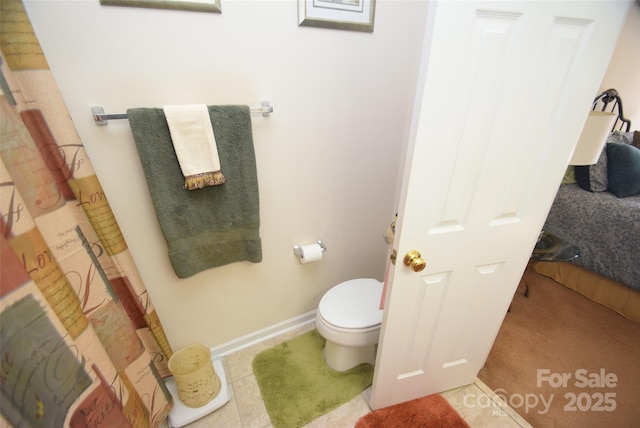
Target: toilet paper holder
x=297 y=249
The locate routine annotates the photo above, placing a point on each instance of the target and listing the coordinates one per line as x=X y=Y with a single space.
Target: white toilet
x=349 y=318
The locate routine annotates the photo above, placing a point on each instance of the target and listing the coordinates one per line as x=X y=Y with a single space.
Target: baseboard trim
x=264 y=334
x=504 y=406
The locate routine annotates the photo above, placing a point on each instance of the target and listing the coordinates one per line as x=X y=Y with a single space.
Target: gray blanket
x=605 y=228
x=212 y=226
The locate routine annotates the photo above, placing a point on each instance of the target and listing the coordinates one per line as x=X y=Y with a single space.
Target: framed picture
x=354 y=15
x=212 y=6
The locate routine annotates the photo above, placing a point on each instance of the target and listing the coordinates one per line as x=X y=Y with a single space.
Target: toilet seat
x=353 y=305
x=347 y=336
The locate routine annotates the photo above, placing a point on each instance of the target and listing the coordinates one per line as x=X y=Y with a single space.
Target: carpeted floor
x=297 y=385
x=561 y=360
x=431 y=411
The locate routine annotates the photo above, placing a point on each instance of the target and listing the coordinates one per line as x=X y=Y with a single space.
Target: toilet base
x=342 y=358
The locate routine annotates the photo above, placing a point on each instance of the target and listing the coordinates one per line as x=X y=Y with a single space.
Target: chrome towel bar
x=101 y=118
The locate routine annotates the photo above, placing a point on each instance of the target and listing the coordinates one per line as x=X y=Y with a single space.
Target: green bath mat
x=296 y=384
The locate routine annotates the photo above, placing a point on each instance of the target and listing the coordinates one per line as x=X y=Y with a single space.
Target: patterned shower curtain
x=80 y=342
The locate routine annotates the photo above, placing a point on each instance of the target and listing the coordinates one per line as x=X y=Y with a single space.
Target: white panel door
x=505 y=89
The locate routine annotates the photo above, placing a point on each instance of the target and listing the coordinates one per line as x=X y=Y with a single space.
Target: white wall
x=623 y=72
x=327 y=158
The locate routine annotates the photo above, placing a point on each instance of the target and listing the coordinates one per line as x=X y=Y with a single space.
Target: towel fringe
x=198 y=181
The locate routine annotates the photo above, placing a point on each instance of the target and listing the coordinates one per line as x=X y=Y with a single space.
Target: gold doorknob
x=414 y=260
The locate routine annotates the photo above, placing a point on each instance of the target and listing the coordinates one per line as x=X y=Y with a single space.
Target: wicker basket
x=195 y=376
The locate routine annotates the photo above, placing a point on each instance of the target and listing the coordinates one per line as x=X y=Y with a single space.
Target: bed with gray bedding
x=597 y=208
x=605 y=228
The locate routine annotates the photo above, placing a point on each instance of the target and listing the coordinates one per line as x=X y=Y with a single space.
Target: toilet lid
x=353 y=304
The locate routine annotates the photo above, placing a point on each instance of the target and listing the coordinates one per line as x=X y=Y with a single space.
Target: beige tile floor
x=477 y=404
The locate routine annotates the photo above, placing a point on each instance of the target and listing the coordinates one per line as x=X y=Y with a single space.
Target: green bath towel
x=212 y=226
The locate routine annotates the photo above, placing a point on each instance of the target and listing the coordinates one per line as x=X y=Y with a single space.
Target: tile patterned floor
x=477 y=404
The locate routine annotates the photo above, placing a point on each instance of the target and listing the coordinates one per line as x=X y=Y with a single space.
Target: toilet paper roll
x=310 y=253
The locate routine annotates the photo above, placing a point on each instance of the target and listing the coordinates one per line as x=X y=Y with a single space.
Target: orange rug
x=432 y=411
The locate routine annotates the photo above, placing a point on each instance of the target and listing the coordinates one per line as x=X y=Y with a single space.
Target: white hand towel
x=195 y=145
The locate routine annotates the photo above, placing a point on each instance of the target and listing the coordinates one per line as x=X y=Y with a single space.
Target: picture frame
x=211 y=6
x=352 y=15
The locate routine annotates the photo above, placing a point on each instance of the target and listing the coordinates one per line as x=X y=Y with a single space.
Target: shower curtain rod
x=101 y=118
